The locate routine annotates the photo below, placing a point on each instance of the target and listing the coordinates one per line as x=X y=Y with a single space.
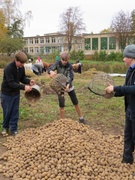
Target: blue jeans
x=10 y=105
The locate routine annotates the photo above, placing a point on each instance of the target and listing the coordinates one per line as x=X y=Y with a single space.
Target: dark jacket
x=128 y=91
x=11 y=80
x=66 y=70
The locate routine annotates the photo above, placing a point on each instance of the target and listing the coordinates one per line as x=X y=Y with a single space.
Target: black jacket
x=11 y=80
x=66 y=70
x=128 y=91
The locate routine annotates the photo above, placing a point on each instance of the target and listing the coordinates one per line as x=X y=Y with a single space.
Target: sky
x=97 y=15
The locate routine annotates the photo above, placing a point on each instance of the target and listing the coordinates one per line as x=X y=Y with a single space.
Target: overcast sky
x=97 y=14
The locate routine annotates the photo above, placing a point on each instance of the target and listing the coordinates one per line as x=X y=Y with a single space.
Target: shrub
x=4 y=59
x=103 y=56
x=74 y=55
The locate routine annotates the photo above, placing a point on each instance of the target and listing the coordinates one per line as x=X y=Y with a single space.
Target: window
x=41 y=50
x=36 y=50
x=87 y=43
x=59 y=48
x=31 y=41
x=36 y=40
x=53 y=49
x=59 y=39
x=103 y=43
x=31 y=49
x=42 y=40
x=112 y=43
x=131 y=40
x=47 y=40
x=26 y=41
x=47 y=49
x=53 y=39
x=26 y=50
x=94 y=43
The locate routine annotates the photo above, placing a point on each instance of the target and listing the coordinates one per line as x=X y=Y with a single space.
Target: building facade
x=88 y=43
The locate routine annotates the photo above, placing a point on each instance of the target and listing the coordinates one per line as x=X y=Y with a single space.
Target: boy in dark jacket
x=63 y=66
x=14 y=73
x=128 y=91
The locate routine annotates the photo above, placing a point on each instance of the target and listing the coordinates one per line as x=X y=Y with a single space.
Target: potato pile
x=65 y=150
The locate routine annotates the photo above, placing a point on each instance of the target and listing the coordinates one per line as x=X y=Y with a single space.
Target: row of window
x=93 y=43
x=43 y=40
x=42 y=50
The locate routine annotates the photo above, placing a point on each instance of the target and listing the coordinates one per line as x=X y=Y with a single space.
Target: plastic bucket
x=34 y=94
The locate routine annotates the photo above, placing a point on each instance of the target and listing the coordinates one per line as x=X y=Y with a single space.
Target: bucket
x=34 y=94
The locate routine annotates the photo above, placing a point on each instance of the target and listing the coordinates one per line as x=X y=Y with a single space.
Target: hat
x=129 y=51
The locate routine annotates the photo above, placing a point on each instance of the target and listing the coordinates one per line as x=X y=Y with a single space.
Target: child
x=14 y=73
x=63 y=66
x=128 y=91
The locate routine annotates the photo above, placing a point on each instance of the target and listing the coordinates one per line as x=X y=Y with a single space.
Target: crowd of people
x=39 y=66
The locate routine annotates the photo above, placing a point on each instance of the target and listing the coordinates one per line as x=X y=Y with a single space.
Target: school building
x=88 y=43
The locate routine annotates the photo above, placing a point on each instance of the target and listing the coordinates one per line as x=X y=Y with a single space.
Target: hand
x=67 y=88
x=32 y=82
x=28 y=88
x=109 y=89
x=52 y=73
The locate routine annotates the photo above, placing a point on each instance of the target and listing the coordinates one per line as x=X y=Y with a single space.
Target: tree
x=71 y=25
x=10 y=45
x=133 y=23
x=15 y=30
x=122 y=26
x=11 y=11
x=14 y=23
x=105 y=31
x=3 y=29
x=14 y=18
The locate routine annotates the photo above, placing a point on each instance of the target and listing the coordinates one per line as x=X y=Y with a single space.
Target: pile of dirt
x=64 y=150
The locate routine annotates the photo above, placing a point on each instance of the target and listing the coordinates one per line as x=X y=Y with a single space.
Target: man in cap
x=128 y=91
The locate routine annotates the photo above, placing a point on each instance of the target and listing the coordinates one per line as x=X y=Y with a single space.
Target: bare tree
x=10 y=9
x=133 y=23
x=122 y=26
x=71 y=25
